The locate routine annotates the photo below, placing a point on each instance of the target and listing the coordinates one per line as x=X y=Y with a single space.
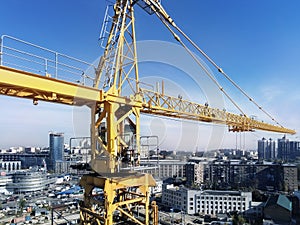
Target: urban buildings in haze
x=286 y=150
x=267 y=149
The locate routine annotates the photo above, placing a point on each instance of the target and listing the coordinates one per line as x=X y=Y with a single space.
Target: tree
x=238 y=220
x=22 y=204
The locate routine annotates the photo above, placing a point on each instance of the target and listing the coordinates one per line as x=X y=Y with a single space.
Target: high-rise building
x=56 y=148
x=294 y=149
x=262 y=149
x=284 y=148
x=272 y=149
x=266 y=149
x=290 y=180
x=194 y=173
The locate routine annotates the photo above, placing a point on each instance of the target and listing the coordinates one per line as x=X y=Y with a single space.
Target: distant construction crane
x=111 y=109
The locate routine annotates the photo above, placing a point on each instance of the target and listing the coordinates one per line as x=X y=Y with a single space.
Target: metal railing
x=29 y=57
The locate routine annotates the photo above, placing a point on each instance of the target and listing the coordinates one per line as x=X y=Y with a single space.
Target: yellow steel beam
x=160 y=104
x=118 y=195
x=28 y=85
x=23 y=84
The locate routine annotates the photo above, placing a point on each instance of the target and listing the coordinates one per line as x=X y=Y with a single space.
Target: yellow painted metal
x=114 y=109
x=164 y=105
x=118 y=68
x=123 y=195
x=111 y=110
x=28 y=85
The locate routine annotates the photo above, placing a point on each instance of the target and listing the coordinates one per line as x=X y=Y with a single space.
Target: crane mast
x=124 y=192
x=117 y=68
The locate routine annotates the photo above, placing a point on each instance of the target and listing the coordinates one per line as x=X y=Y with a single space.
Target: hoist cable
x=166 y=19
x=201 y=65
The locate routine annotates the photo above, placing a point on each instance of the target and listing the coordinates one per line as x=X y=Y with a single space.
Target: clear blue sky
x=256 y=42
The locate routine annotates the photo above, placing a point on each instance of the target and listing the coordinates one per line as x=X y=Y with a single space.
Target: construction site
x=116 y=99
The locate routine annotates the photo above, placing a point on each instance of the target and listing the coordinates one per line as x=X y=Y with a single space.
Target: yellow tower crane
x=112 y=108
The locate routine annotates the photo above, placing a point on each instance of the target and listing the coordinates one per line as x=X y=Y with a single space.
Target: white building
x=29 y=181
x=172 y=196
x=5 y=181
x=10 y=165
x=164 y=168
x=213 y=202
x=158 y=188
x=206 y=202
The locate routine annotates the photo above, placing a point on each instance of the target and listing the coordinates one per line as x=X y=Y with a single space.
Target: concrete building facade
x=29 y=181
x=208 y=202
x=290 y=180
x=266 y=149
x=266 y=176
x=9 y=166
x=164 y=168
x=283 y=148
x=195 y=173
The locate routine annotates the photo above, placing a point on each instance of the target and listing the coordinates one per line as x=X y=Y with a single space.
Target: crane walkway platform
x=23 y=84
x=31 y=71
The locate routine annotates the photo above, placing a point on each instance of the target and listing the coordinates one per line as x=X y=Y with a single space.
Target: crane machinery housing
x=125 y=191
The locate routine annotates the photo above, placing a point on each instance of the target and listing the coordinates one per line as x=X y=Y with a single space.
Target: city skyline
x=255 y=43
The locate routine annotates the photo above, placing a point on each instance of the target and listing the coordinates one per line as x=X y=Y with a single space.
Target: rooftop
x=280 y=200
